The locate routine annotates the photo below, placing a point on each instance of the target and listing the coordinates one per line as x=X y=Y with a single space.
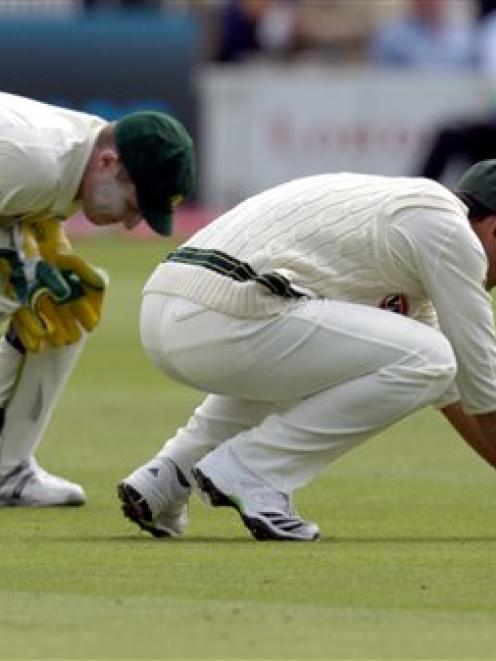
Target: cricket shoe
x=268 y=514
x=28 y=485
x=155 y=497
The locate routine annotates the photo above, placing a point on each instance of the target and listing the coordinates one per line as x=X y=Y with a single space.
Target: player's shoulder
x=423 y=186
x=32 y=167
x=423 y=194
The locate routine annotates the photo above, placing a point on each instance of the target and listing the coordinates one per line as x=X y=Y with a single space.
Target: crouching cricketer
x=52 y=161
x=316 y=314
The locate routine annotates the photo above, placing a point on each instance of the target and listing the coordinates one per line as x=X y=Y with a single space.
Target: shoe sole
x=136 y=509
x=257 y=526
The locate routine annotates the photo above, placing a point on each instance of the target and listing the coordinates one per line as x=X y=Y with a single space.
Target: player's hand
x=28 y=285
x=27 y=279
x=88 y=286
x=57 y=321
x=57 y=329
x=37 y=318
x=88 y=282
x=49 y=292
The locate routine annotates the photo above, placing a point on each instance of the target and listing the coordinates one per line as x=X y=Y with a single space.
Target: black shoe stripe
x=217 y=498
x=17 y=492
x=292 y=526
x=181 y=478
x=279 y=518
x=13 y=473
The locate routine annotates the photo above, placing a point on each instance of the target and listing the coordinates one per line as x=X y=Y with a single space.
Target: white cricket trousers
x=291 y=393
x=30 y=387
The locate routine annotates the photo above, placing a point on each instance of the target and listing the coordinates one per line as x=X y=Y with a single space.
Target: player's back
x=324 y=235
x=329 y=214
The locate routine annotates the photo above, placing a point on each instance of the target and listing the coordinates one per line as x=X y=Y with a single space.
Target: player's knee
x=439 y=362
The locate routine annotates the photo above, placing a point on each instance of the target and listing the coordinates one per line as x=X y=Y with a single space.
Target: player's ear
x=108 y=157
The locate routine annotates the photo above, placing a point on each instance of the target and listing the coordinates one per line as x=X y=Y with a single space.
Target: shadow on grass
x=148 y=539
x=419 y=539
x=341 y=541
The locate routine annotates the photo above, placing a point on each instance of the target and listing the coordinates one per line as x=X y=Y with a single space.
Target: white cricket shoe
x=155 y=497
x=268 y=514
x=28 y=485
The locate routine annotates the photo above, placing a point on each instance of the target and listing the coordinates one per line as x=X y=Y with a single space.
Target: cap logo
x=175 y=200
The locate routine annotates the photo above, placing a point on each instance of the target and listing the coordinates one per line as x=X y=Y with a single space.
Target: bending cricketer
x=53 y=160
x=316 y=314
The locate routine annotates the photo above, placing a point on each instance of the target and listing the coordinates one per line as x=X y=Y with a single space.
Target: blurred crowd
x=412 y=33
x=408 y=33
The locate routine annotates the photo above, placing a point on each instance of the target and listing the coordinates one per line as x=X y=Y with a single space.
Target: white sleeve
x=445 y=255
x=28 y=181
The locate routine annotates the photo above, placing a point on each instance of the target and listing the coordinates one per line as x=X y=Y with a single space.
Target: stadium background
x=406 y=565
x=307 y=96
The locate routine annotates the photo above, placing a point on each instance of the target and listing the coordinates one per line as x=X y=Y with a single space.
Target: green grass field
x=406 y=567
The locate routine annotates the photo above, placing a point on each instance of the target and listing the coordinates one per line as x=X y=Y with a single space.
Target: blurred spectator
x=122 y=4
x=52 y=8
x=433 y=33
x=250 y=27
x=487 y=38
x=463 y=143
x=466 y=140
x=485 y=7
x=338 y=31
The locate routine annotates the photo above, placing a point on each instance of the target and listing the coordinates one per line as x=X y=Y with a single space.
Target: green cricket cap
x=479 y=181
x=158 y=155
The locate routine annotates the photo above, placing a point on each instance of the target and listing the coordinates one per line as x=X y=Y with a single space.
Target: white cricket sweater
x=44 y=151
x=327 y=234
x=360 y=239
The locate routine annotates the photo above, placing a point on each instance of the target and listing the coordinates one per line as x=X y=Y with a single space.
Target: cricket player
x=52 y=161
x=315 y=315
